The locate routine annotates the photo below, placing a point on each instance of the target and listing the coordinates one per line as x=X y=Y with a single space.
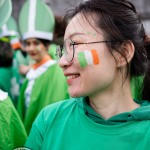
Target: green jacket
x=12 y=131
x=48 y=88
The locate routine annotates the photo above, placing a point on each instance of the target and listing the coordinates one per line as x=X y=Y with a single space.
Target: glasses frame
x=59 y=49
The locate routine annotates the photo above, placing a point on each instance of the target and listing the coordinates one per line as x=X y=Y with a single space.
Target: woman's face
x=35 y=49
x=93 y=69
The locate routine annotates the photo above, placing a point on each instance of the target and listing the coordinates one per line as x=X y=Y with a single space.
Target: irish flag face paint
x=88 y=58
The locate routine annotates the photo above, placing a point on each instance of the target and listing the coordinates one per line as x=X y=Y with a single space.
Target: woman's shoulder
x=61 y=105
x=59 y=109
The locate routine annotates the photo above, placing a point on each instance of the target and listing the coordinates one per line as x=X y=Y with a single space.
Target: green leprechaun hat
x=10 y=30
x=36 y=20
x=5 y=11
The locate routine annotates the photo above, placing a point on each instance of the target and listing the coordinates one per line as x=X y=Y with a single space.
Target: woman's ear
x=125 y=54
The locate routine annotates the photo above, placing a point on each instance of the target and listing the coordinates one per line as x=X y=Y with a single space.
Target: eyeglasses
x=68 y=49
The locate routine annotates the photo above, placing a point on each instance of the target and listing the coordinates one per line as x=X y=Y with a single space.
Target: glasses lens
x=68 y=49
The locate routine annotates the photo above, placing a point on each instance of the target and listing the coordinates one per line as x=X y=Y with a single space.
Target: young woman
x=104 y=46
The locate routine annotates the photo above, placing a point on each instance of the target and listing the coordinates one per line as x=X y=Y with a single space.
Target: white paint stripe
x=88 y=57
x=32 y=15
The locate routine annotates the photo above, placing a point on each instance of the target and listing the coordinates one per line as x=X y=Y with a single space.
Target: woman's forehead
x=32 y=40
x=82 y=24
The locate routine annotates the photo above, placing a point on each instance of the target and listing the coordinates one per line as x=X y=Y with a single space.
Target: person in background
x=12 y=131
x=105 y=44
x=6 y=61
x=9 y=34
x=45 y=82
x=25 y=62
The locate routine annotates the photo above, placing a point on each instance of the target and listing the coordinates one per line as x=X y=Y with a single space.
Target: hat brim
x=5 y=11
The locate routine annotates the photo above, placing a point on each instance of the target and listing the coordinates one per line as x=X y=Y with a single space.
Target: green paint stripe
x=82 y=59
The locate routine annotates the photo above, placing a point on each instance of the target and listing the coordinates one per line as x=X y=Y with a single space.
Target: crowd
x=76 y=83
x=30 y=77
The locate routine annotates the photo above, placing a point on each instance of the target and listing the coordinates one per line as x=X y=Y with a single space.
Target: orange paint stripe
x=95 y=57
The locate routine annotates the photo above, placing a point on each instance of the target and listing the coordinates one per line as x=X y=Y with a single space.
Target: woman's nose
x=63 y=63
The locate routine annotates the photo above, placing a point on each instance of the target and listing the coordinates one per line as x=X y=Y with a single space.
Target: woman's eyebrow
x=75 y=34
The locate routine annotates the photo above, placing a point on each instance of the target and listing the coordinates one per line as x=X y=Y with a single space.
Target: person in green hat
x=45 y=82
x=9 y=31
x=12 y=131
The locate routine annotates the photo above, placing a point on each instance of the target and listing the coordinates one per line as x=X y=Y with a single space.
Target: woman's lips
x=32 y=54
x=71 y=77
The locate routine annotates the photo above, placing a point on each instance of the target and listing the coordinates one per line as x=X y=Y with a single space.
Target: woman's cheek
x=38 y=48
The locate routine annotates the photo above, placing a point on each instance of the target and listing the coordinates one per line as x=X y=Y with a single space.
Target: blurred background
x=60 y=6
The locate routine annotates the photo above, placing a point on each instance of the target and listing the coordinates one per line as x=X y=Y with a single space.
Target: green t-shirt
x=66 y=126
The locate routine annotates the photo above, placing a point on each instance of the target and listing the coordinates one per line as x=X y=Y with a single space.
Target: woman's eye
x=37 y=43
x=73 y=44
x=27 y=44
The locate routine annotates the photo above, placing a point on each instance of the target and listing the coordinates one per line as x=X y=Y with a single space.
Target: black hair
x=60 y=26
x=146 y=82
x=6 y=54
x=45 y=42
x=120 y=22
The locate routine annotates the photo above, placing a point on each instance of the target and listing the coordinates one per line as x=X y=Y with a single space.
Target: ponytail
x=146 y=82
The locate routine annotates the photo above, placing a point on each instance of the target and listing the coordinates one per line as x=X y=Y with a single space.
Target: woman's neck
x=110 y=104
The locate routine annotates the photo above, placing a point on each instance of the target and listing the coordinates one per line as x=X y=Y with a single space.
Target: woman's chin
x=33 y=57
x=74 y=93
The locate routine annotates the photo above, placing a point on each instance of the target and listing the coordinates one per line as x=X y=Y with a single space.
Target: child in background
x=45 y=82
